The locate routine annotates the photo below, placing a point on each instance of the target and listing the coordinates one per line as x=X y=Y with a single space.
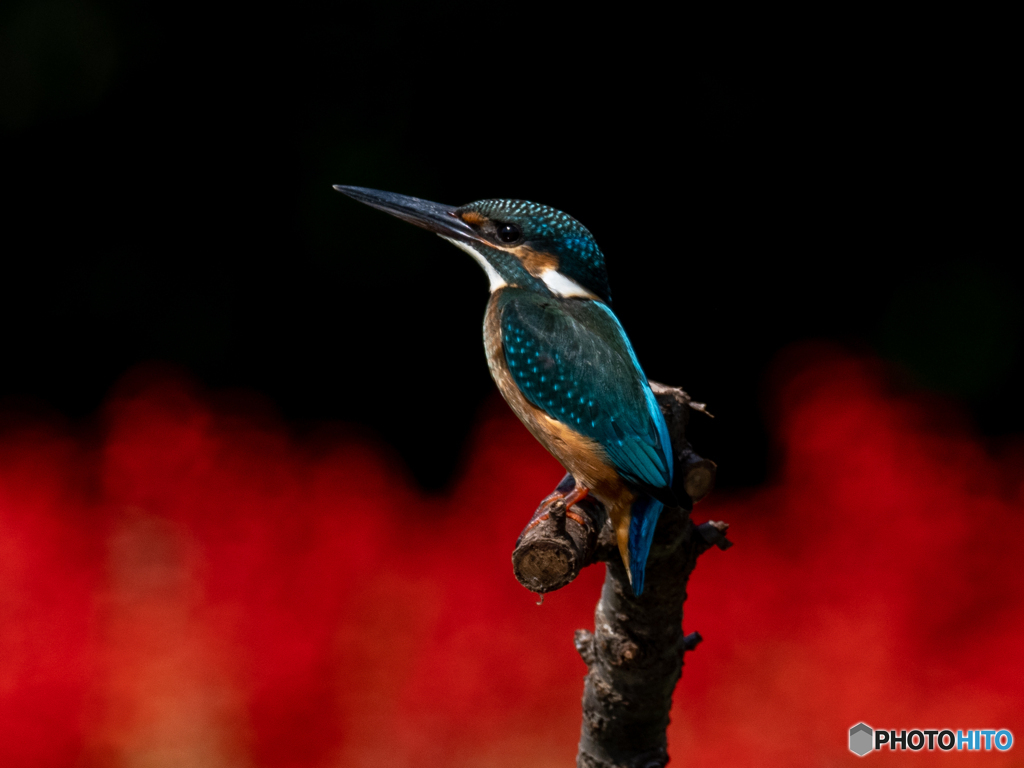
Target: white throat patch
x=563 y=286
x=497 y=281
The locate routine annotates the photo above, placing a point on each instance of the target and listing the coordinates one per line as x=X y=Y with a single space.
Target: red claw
x=579 y=493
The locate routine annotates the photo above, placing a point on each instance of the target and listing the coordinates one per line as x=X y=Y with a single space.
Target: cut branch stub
x=713 y=533
x=557 y=543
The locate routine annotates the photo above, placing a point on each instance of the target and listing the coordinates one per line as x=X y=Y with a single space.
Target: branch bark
x=635 y=654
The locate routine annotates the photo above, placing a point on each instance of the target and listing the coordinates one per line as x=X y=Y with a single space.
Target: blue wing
x=571 y=359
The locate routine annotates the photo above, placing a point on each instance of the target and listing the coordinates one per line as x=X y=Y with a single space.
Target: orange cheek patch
x=536 y=262
x=472 y=217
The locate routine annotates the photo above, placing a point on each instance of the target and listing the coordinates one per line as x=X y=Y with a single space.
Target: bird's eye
x=509 y=233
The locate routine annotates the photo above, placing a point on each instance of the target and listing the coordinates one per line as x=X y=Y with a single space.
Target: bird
x=560 y=356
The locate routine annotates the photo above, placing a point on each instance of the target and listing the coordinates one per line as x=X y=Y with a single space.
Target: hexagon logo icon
x=860 y=739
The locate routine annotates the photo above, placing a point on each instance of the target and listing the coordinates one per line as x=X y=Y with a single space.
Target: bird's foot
x=551 y=498
x=578 y=493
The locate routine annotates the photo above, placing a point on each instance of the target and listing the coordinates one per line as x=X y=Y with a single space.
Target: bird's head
x=516 y=242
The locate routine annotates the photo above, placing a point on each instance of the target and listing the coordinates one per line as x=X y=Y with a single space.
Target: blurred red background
x=190 y=583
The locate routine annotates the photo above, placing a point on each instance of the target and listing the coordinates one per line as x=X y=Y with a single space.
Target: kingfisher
x=560 y=356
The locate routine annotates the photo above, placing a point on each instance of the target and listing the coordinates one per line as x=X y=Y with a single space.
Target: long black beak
x=438 y=218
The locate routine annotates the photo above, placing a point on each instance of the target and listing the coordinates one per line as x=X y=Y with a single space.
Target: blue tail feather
x=644 y=517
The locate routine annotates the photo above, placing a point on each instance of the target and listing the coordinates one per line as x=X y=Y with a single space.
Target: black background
x=753 y=181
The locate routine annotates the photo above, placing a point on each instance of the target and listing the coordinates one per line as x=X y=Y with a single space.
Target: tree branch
x=635 y=655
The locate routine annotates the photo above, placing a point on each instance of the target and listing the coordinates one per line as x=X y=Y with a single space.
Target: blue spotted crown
x=548 y=230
